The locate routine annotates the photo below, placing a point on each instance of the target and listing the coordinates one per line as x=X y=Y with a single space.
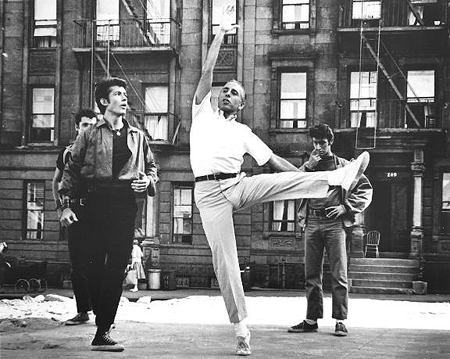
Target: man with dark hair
x=218 y=144
x=76 y=236
x=325 y=221
x=113 y=159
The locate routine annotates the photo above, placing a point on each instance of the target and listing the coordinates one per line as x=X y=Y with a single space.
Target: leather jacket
x=355 y=201
x=92 y=155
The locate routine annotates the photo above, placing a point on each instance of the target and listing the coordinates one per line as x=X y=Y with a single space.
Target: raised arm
x=205 y=83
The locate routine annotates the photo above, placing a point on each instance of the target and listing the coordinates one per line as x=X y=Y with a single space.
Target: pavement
x=191 y=323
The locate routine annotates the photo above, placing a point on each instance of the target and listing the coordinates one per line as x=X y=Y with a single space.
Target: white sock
x=240 y=329
x=310 y=321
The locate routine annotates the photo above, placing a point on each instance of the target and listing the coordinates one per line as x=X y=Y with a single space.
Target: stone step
x=382 y=269
x=380 y=283
x=399 y=277
x=385 y=261
x=380 y=290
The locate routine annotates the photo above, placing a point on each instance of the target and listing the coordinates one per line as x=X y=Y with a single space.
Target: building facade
x=378 y=72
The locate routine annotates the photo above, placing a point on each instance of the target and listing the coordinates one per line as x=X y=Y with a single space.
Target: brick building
x=376 y=71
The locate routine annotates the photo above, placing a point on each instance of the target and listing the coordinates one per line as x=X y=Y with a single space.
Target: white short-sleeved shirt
x=219 y=144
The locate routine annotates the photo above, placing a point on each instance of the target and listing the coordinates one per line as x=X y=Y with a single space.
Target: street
x=194 y=324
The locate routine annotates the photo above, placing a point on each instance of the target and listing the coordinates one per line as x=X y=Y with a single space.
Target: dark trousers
x=110 y=218
x=329 y=234
x=77 y=250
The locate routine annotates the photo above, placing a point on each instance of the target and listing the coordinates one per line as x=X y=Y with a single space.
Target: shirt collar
x=231 y=118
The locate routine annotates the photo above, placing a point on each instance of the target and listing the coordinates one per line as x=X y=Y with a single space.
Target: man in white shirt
x=218 y=144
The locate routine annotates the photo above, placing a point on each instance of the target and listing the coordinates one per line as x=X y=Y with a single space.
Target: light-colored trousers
x=217 y=200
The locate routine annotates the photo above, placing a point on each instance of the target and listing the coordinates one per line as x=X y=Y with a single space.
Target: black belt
x=317 y=212
x=215 y=177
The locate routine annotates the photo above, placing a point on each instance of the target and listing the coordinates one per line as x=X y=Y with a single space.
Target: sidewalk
x=189 y=323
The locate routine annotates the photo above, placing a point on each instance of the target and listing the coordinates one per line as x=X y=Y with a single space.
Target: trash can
x=168 y=280
x=154 y=278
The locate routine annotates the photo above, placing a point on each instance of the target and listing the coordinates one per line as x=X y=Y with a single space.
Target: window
x=424 y=13
x=283 y=216
x=156 y=112
x=216 y=17
x=158 y=21
x=292 y=100
x=34 y=209
x=366 y=9
x=107 y=17
x=182 y=214
x=295 y=14
x=363 y=99
x=445 y=209
x=42 y=127
x=420 y=98
x=44 y=23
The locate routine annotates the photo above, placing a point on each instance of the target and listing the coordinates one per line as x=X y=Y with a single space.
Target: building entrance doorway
x=391 y=215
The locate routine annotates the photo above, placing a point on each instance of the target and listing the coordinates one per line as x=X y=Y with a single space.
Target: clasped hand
x=141 y=184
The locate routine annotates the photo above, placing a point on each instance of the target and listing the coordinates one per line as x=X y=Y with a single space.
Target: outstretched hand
x=228 y=18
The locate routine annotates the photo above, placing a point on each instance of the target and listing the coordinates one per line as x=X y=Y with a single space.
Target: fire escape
x=385 y=32
x=120 y=47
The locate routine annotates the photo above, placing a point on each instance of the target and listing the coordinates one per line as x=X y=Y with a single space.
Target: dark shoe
x=80 y=318
x=340 y=330
x=303 y=327
x=243 y=345
x=104 y=343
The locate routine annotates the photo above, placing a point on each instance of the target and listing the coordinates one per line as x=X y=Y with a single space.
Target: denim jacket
x=92 y=156
x=355 y=201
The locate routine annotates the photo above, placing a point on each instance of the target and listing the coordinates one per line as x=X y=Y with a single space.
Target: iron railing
x=129 y=33
x=394 y=114
x=392 y=13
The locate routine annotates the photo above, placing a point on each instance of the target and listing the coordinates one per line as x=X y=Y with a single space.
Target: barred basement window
x=34 y=209
x=445 y=208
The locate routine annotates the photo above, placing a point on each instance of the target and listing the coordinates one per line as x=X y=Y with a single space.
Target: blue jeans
x=323 y=233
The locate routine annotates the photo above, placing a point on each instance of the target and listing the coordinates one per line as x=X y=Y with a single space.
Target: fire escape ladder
x=390 y=81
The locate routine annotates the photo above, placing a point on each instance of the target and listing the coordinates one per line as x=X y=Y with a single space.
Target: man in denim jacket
x=114 y=161
x=325 y=220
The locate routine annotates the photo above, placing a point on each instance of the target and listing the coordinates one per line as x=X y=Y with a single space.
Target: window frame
x=230 y=39
x=181 y=240
x=359 y=99
x=421 y=104
x=25 y=223
x=444 y=213
x=283 y=222
x=159 y=115
x=277 y=25
x=41 y=24
x=301 y=3
x=30 y=126
x=280 y=100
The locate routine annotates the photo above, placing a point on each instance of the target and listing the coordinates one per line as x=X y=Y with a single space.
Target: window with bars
x=445 y=206
x=44 y=26
x=156 y=112
x=42 y=124
x=182 y=214
x=216 y=17
x=34 y=207
x=283 y=216
x=295 y=14
x=363 y=99
x=292 y=102
x=420 y=97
